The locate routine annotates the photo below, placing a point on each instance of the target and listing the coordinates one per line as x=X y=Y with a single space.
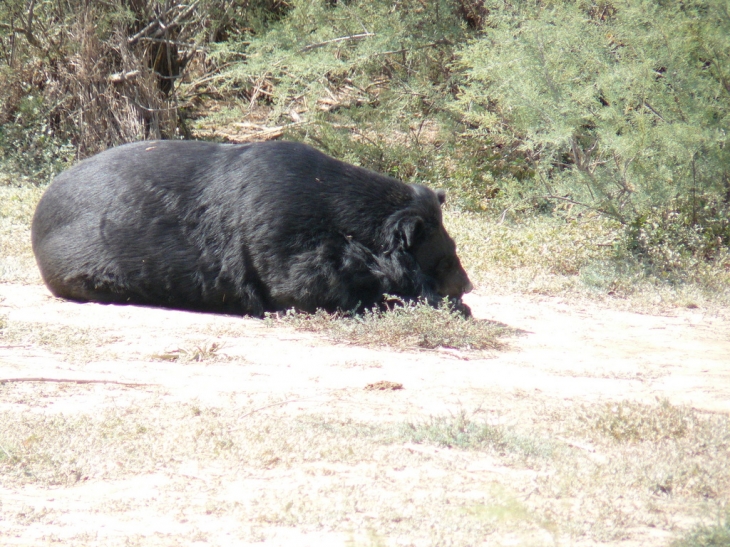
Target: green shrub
x=619 y=107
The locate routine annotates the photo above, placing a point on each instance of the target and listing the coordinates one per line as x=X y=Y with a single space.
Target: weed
x=579 y=256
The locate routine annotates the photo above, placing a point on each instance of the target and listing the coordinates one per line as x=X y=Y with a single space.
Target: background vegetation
x=603 y=117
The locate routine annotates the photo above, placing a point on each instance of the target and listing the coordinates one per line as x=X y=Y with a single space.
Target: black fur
x=241 y=229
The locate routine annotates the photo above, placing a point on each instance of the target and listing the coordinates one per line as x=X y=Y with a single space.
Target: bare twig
x=334 y=40
x=647 y=105
x=27 y=31
x=73 y=381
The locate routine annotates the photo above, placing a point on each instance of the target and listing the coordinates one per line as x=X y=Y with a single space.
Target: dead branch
x=149 y=28
x=156 y=28
x=73 y=381
x=341 y=39
x=27 y=30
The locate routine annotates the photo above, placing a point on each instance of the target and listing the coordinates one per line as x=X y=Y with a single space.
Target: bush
x=610 y=113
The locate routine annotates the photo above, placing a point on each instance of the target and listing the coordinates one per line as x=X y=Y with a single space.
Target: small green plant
x=406 y=325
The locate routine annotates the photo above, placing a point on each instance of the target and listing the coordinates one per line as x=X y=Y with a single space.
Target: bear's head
x=420 y=231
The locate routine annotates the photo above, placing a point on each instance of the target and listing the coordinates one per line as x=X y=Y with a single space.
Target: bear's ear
x=412 y=229
x=441 y=194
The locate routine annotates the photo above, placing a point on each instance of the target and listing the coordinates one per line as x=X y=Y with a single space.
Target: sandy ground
x=569 y=352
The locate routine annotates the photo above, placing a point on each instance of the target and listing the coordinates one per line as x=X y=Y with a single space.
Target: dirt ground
x=567 y=355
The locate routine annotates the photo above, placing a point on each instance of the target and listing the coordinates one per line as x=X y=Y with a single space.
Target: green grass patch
x=407 y=325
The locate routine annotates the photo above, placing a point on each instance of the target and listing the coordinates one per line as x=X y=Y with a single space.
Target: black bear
x=241 y=229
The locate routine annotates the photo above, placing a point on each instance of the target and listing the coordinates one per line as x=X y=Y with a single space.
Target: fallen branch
x=334 y=40
x=73 y=381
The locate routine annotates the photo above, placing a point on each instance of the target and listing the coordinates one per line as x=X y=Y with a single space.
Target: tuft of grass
x=406 y=325
x=461 y=431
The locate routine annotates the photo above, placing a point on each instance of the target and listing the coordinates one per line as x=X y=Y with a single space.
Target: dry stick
x=73 y=381
x=152 y=24
x=340 y=39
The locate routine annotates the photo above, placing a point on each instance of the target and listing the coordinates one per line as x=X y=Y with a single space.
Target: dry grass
x=76 y=344
x=407 y=325
x=463 y=431
x=17 y=206
x=323 y=471
x=579 y=258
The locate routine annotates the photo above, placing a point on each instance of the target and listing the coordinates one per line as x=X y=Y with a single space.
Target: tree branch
x=340 y=39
